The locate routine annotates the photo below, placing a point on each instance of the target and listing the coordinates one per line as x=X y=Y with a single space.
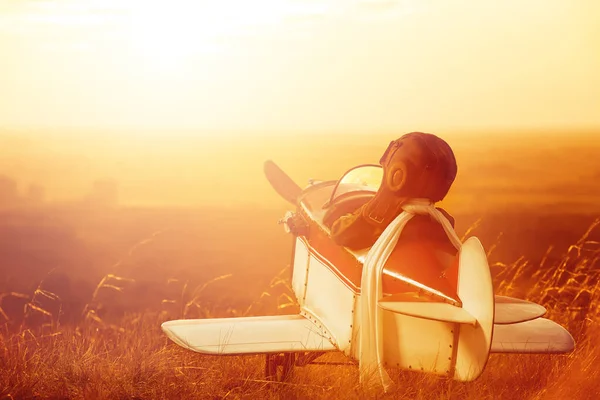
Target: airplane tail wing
x=249 y=335
x=436 y=311
x=485 y=323
x=507 y=310
x=504 y=324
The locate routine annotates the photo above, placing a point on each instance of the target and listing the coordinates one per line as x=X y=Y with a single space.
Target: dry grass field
x=84 y=288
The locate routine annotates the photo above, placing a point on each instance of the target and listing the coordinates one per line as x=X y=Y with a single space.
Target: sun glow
x=167 y=34
x=297 y=65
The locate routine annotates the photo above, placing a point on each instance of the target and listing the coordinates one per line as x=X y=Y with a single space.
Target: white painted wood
x=353 y=350
x=300 y=271
x=443 y=312
x=537 y=336
x=248 y=335
x=509 y=310
x=476 y=292
x=331 y=301
x=417 y=344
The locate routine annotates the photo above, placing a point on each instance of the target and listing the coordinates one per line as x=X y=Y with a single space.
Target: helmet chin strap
x=388 y=201
x=382 y=210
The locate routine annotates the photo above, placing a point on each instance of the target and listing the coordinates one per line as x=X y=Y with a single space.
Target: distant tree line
x=104 y=192
x=9 y=193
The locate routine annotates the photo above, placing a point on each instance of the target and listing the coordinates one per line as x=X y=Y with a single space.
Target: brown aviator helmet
x=417 y=165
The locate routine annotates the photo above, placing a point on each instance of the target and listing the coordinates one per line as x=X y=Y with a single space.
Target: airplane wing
x=537 y=336
x=249 y=335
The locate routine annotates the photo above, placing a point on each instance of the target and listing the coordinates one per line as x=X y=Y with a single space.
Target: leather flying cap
x=430 y=163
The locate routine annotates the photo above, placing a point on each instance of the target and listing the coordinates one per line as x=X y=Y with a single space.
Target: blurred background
x=133 y=133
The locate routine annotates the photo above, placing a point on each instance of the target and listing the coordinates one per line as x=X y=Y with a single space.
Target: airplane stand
x=279 y=367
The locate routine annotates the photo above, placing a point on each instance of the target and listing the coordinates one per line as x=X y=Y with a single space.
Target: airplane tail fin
x=485 y=323
x=476 y=293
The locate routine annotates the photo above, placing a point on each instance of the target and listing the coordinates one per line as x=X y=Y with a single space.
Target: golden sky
x=299 y=65
x=174 y=82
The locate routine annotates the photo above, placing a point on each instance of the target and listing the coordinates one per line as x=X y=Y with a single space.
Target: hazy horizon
x=181 y=102
x=203 y=171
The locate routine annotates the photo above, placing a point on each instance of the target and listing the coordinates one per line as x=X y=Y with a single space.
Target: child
x=415 y=166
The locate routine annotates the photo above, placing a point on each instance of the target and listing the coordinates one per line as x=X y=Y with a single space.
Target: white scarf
x=371 y=321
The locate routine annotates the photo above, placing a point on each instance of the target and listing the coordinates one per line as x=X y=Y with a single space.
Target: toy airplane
x=444 y=324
